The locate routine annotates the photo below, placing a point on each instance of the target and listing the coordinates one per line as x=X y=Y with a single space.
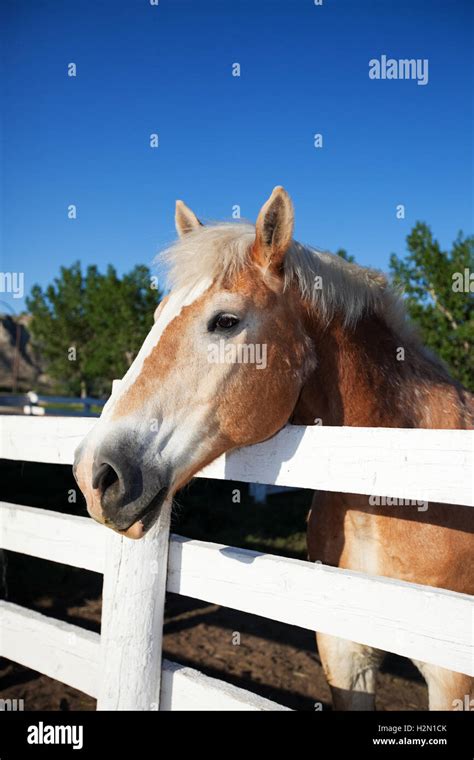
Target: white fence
x=123 y=667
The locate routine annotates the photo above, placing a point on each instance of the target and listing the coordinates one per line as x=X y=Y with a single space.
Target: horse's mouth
x=147 y=517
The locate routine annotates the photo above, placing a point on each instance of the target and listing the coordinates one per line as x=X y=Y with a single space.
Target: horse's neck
x=370 y=377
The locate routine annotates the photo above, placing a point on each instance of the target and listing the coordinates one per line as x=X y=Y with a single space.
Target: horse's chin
x=148 y=517
x=135 y=531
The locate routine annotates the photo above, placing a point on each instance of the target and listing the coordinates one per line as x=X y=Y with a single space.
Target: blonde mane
x=328 y=282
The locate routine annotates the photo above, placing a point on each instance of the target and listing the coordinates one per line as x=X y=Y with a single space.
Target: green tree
x=441 y=307
x=89 y=326
x=344 y=255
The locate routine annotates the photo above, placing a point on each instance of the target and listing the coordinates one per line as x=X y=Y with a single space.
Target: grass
x=207 y=510
x=71 y=407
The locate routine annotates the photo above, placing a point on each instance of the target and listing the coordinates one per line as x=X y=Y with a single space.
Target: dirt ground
x=274 y=660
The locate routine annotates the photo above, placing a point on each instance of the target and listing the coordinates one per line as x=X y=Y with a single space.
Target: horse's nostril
x=118 y=484
x=104 y=477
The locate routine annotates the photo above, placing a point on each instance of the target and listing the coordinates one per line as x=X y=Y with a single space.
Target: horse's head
x=222 y=367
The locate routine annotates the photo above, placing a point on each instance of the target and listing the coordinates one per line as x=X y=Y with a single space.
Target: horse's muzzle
x=117 y=493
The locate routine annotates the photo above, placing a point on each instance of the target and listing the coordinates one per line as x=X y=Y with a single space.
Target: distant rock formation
x=18 y=358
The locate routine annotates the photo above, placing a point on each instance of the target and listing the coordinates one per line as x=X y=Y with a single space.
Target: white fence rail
x=426 y=465
x=123 y=669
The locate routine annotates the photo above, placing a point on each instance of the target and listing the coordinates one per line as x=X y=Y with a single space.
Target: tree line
x=89 y=326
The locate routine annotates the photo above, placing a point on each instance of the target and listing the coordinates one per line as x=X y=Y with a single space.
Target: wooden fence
x=123 y=668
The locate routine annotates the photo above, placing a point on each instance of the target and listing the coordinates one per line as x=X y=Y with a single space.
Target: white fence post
x=132 y=619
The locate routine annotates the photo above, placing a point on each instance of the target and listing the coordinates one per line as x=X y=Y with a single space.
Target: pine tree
x=440 y=298
x=90 y=326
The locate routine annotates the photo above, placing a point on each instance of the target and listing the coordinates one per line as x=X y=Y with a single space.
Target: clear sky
x=226 y=140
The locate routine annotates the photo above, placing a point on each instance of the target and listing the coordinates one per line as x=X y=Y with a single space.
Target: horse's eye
x=223 y=322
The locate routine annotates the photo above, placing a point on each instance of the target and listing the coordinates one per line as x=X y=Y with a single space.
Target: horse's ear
x=274 y=229
x=185 y=219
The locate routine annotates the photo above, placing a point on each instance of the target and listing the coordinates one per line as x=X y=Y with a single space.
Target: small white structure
x=123 y=667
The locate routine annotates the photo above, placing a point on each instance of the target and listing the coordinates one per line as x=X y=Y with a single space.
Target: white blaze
x=171 y=309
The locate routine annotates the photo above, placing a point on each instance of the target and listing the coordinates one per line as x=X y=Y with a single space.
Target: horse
x=333 y=333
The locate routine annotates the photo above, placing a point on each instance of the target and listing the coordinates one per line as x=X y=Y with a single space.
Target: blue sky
x=224 y=140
